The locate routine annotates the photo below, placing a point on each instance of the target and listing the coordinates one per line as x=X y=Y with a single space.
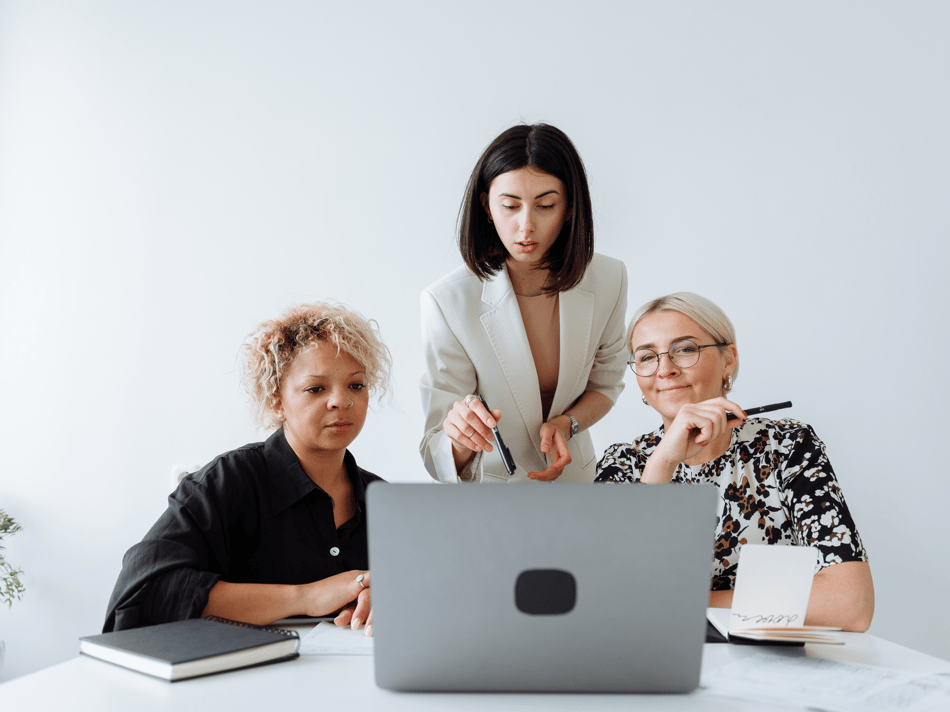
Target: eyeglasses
x=683 y=354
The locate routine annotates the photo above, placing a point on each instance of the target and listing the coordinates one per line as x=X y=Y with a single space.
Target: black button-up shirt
x=250 y=516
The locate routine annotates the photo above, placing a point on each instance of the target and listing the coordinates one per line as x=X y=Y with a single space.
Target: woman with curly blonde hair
x=277 y=528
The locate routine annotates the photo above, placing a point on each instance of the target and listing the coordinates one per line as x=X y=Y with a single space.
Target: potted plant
x=10 y=585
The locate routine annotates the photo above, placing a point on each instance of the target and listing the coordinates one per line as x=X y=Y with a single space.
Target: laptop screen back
x=570 y=587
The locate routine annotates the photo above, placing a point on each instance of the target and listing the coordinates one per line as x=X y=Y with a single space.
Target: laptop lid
x=569 y=587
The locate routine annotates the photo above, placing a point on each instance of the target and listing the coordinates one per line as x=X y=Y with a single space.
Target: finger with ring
x=359 y=580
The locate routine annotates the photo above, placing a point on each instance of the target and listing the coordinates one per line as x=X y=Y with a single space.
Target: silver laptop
x=570 y=587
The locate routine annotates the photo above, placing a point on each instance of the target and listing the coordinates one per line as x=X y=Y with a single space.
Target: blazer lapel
x=505 y=329
x=577 y=316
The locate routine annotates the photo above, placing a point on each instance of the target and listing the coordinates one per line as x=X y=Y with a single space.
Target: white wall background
x=172 y=173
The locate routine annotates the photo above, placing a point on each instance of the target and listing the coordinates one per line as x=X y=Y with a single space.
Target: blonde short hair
x=270 y=348
x=704 y=312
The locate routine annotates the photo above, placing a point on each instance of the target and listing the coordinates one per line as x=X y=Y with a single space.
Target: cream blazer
x=474 y=341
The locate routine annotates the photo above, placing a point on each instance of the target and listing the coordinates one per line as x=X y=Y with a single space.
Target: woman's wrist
x=322 y=597
x=575 y=426
x=658 y=470
x=301 y=598
x=462 y=456
x=563 y=425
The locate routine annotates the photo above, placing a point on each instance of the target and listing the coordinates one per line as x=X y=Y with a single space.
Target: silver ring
x=359 y=580
x=469 y=398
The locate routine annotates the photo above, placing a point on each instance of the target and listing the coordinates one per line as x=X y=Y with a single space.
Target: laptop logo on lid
x=545 y=592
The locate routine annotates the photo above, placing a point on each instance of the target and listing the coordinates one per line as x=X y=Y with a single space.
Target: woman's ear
x=277 y=408
x=732 y=355
x=484 y=198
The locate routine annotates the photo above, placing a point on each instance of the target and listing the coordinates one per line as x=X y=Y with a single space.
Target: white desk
x=346 y=684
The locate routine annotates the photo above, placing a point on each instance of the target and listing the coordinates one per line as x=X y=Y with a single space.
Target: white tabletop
x=346 y=683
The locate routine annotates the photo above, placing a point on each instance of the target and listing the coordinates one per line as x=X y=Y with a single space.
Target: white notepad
x=773 y=584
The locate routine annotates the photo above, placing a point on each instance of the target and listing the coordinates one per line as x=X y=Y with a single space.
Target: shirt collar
x=289 y=483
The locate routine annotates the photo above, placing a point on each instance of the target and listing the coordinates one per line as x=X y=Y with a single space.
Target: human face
x=323 y=400
x=528 y=208
x=671 y=387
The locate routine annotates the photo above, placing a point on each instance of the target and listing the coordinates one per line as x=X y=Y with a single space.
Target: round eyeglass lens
x=684 y=353
x=644 y=362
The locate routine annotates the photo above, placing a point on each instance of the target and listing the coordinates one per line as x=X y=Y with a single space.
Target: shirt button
x=335 y=551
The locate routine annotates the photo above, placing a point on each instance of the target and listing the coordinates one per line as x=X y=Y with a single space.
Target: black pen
x=762 y=409
x=502 y=450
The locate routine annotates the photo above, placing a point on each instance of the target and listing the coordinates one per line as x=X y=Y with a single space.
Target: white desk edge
x=347 y=683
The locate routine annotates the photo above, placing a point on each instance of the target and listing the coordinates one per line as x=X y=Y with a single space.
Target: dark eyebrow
x=537 y=197
x=652 y=346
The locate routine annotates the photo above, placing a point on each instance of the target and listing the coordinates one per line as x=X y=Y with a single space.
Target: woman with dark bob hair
x=533 y=321
x=277 y=528
x=775 y=482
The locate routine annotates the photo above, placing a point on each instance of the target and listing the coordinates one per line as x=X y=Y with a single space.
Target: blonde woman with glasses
x=774 y=479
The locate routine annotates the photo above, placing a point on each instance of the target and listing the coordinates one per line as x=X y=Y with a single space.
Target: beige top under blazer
x=474 y=341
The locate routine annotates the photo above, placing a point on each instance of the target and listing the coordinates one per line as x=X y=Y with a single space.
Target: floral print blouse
x=776 y=486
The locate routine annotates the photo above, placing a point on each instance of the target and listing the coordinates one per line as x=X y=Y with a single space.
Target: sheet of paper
x=329 y=639
x=719 y=617
x=829 y=685
x=772 y=586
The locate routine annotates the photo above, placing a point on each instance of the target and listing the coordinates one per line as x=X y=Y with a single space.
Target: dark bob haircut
x=549 y=150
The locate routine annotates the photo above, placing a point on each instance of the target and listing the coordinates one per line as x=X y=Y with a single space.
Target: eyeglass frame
x=631 y=362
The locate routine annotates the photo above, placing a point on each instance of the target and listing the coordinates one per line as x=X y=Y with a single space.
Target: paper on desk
x=719 y=617
x=829 y=685
x=772 y=586
x=329 y=639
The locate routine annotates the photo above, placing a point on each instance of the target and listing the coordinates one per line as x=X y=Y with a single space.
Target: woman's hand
x=360 y=612
x=469 y=425
x=695 y=426
x=552 y=435
x=336 y=592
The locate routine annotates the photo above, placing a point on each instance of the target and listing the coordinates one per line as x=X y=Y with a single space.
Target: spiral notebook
x=193 y=647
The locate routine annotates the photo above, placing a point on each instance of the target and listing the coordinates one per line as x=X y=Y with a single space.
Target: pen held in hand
x=500 y=444
x=762 y=409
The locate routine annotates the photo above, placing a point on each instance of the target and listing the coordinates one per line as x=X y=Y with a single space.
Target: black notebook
x=193 y=647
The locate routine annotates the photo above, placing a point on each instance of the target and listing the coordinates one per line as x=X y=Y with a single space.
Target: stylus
x=502 y=450
x=763 y=409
